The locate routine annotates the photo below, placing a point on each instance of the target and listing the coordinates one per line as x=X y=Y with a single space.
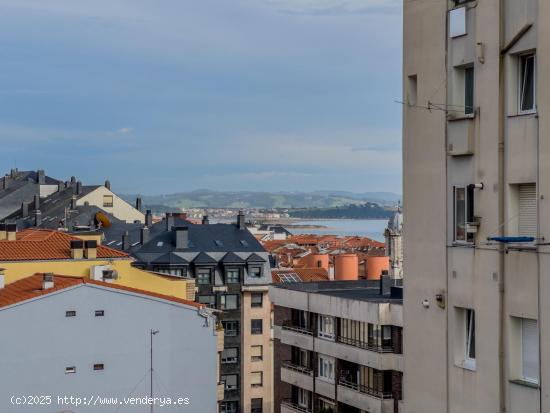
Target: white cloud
x=125 y=131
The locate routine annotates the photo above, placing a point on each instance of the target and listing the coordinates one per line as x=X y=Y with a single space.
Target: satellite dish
x=103 y=219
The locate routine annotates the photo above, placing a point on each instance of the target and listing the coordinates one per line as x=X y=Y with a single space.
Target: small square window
x=70 y=313
x=70 y=370
x=230 y=328
x=256 y=299
x=229 y=302
x=99 y=366
x=255 y=272
x=231 y=381
x=256 y=353
x=99 y=313
x=229 y=356
x=107 y=201
x=256 y=326
x=209 y=300
x=204 y=276
x=256 y=405
x=257 y=379
x=232 y=276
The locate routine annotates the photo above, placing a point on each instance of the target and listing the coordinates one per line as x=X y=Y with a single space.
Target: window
x=230 y=381
x=527 y=217
x=463 y=213
x=229 y=407
x=107 y=201
x=529 y=350
x=256 y=353
x=256 y=299
x=232 y=276
x=457 y=22
x=231 y=328
x=204 y=276
x=303 y=398
x=526 y=81
x=177 y=271
x=256 y=326
x=209 y=300
x=99 y=313
x=412 y=96
x=255 y=272
x=326 y=368
x=256 y=405
x=229 y=302
x=386 y=336
x=470 y=356
x=70 y=313
x=99 y=366
x=326 y=327
x=469 y=91
x=70 y=370
x=229 y=356
x=257 y=379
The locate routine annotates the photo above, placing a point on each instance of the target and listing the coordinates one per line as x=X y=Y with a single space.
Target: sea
x=371 y=228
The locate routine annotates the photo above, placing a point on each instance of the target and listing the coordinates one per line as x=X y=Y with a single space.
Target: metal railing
x=295 y=406
x=365 y=345
x=287 y=325
x=365 y=390
x=295 y=367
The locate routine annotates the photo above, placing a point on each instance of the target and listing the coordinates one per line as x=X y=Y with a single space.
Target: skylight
x=243 y=242
x=290 y=277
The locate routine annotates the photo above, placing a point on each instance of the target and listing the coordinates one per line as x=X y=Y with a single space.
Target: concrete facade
x=454 y=273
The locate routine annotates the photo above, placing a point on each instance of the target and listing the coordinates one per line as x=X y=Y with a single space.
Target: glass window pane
x=460 y=214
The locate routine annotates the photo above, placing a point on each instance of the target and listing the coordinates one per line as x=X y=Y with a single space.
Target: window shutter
x=528 y=210
x=256 y=351
x=530 y=349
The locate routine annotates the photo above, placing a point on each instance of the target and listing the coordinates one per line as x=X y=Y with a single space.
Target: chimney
x=144 y=235
x=73 y=180
x=182 y=237
x=11 y=231
x=60 y=186
x=125 y=241
x=3 y=235
x=148 y=219
x=2 y=280
x=240 y=220
x=79 y=187
x=36 y=201
x=40 y=177
x=37 y=218
x=138 y=203
x=6 y=182
x=77 y=249
x=73 y=202
x=205 y=220
x=47 y=281
x=169 y=221
x=107 y=184
x=90 y=249
x=13 y=172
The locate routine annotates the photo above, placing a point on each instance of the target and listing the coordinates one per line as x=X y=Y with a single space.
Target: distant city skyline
x=265 y=95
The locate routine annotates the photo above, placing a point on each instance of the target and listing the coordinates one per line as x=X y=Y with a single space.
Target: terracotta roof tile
x=45 y=244
x=31 y=287
x=304 y=274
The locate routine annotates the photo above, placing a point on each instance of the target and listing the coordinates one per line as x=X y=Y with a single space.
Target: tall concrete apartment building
x=337 y=346
x=476 y=195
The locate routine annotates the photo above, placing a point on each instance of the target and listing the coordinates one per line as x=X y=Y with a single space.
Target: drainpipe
x=447 y=372
x=501 y=214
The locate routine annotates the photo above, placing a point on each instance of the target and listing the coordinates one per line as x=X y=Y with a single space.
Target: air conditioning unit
x=103 y=273
x=110 y=275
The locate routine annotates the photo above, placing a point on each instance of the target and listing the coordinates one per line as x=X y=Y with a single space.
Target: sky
x=175 y=95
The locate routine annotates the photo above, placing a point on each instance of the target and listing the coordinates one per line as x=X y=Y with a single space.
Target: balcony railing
x=295 y=367
x=288 y=325
x=365 y=390
x=295 y=406
x=365 y=345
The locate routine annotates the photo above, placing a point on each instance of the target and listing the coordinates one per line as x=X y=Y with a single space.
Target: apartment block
x=338 y=346
x=475 y=195
x=99 y=342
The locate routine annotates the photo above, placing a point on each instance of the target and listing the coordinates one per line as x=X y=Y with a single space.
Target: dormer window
x=255 y=272
x=232 y=275
x=204 y=276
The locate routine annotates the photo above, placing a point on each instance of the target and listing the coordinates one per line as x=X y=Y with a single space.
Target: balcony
x=288 y=406
x=364 y=398
x=380 y=358
x=294 y=335
x=297 y=375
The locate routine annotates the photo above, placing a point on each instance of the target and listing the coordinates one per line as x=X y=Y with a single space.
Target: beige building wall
x=248 y=340
x=501 y=283
x=120 y=208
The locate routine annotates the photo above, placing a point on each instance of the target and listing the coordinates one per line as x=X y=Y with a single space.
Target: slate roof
x=255 y=258
x=170 y=258
x=204 y=259
x=232 y=258
x=31 y=287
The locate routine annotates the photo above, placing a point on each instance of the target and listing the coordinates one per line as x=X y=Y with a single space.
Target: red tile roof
x=45 y=244
x=304 y=274
x=31 y=287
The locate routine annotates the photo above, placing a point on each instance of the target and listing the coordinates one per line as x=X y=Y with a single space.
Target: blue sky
x=173 y=95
